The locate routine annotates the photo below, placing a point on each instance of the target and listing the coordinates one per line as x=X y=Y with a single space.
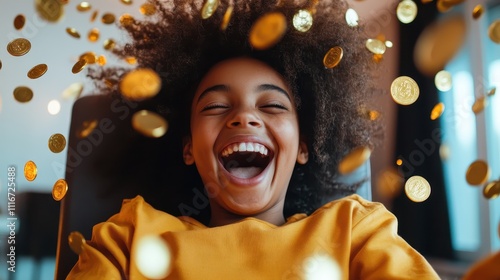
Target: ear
x=187 y=151
x=303 y=154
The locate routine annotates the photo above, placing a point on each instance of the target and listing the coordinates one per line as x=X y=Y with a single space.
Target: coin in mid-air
x=57 y=143
x=443 y=80
x=140 y=84
x=354 y=159
x=19 y=47
x=404 y=90
x=333 y=57
x=30 y=170
x=59 y=189
x=19 y=21
x=494 y=31
x=267 y=30
x=37 y=71
x=406 y=11
x=417 y=189
x=478 y=173
x=149 y=124
x=376 y=46
x=209 y=8
x=492 y=190
x=23 y=94
x=76 y=242
x=437 y=111
x=303 y=20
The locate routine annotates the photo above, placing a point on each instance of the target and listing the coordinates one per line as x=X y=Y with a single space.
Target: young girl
x=265 y=129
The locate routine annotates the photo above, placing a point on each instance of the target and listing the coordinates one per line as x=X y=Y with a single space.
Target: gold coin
x=93 y=16
x=19 y=22
x=101 y=60
x=227 y=18
x=351 y=17
x=477 y=173
x=209 y=8
x=73 y=32
x=127 y=2
x=407 y=11
x=494 y=31
x=390 y=183
x=404 y=90
x=444 y=152
x=109 y=44
x=76 y=242
x=417 y=189
x=437 y=111
x=131 y=60
x=108 y=18
x=149 y=124
x=59 y=189
x=479 y=105
x=477 y=12
x=79 y=65
x=140 y=84
x=50 y=10
x=492 y=190
x=375 y=46
x=0 y=64
x=354 y=159
x=267 y=30
x=443 y=80
x=83 y=6
x=86 y=128
x=147 y=9
x=443 y=6
x=388 y=44
x=302 y=20
x=126 y=19
x=30 y=170
x=23 y=94
x=333 y=57
x=37 y=71
x=57 y=143
x=490 y=93
x=93 y=35
x=19 y=47
x=73 y=91
x=90 y=57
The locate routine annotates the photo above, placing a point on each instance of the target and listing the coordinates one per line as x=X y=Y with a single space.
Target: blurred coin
x=147 y=9
x=477 y=12
x=19 y=22
x=444 y=152
x=101 y=60
x=477 y=173
x=404 y=90
x=376 y=46
x=390 y=183
x=437 y=111
x=149 y=124
x=302 y=20
x=227 y=18
x=37 y=71
x=86 y=128
x=443 y=80
x=443 y=6
x=90 y=57
x=73 y=32
x=59 y=189
x=76 y=242
x=492 y=190
x=23 y=94
x=83 y=6
x=93 y=35
x=73 y=91
x=50 y=10
x=30 y=170
x=490 y=93
x=109 y=44
x=108 y=18
x=354 y=159
x=140 y=84
x=127 y=2
x=407 y=11
x=131 y=60
x=494 y=31
x=333 y=57
x=0 y=64
x=351 y=17
x=209 y=8
x=57 y=143
x=267 y=30
x=79 y=65
x=479 y=105
x=19 y=47
x=126 y=19
x=417 y=189
x=93 y=16
x=388 y=44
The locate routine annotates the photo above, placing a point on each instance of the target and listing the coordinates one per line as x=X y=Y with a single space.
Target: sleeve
x=378 y=251
x=486 y=269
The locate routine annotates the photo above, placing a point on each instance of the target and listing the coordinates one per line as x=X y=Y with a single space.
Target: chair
x=101 y=163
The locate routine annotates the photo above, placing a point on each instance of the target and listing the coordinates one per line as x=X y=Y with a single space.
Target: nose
x=244 y=118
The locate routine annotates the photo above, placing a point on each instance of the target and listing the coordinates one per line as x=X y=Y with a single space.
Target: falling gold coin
x=76 y=242
x=30 y=170
x=443 y=6
x=19 y=47
x=443 y=80
x=23 y=94
x=73 y=32
x=478 y=173
x=131 y=60
x=93 y=16
x=492 y=190
x=376 y=46
x=267 y=30
x=126 y=19
x=477 y=12
x=417 y=189
x=59 y=189
x=479 y=105
x=494 y=31
x=490 y=93
x=83 y=6
x=127 y=2
x=86 y=128
x=390 y=183
x=0 y=64
x=90 y=57
x=444 y=152
x=108 y=18
x=354 y=159
x=140 y=84
x=93 y=35
x=57 y=143
x=333 y=57
x=79 y=65
x=73 y=91
x=351 y=17
x=209 y=8
x=37 y=71
x=407 y=11
x=227 y=18
x=19 y=22
x=149 y=124
x=109 y=44
x=147 y=9
x=405 y=90
x=50 y=10
x=101 y=60
x=437 y=111
x=302 y=20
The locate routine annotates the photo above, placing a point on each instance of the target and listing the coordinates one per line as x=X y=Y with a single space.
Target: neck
x=221 y=216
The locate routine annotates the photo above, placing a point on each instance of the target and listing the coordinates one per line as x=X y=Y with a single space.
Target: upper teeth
x=244 y=147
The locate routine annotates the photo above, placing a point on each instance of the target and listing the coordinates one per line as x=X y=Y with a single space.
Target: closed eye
x=275 y=105
x=214 y=106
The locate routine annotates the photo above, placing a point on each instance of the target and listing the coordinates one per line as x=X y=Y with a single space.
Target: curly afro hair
x=181 y=47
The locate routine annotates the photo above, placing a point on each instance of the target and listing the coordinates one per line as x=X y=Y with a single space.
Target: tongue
x=245 y=172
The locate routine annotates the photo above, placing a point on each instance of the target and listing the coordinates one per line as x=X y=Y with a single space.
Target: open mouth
x=245 y=160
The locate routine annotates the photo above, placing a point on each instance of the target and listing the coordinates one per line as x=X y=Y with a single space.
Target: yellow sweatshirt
x=358 y=235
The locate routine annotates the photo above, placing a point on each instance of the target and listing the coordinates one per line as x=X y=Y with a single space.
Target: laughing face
x=244 y=139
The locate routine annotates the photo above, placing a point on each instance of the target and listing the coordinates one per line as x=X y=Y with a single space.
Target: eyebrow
x=263 y=87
